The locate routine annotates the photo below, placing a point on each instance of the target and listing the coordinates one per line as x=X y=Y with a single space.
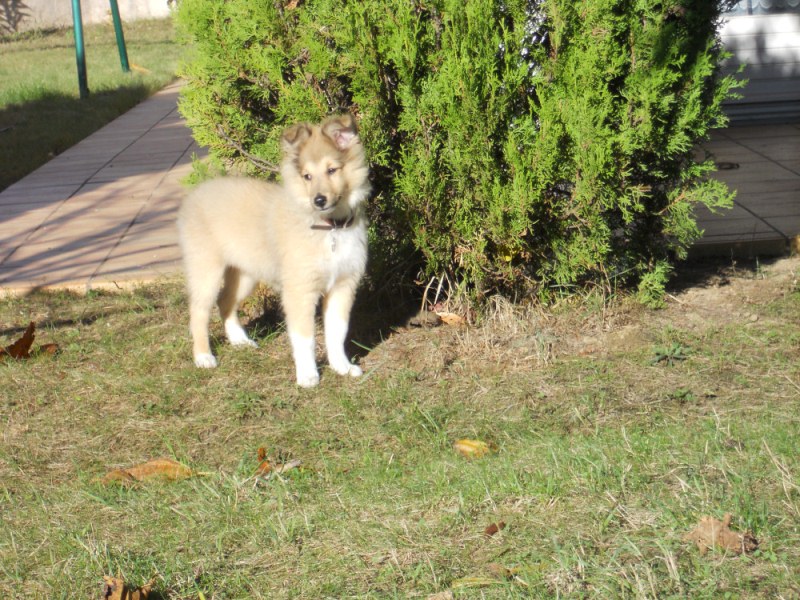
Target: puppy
x=306 y=238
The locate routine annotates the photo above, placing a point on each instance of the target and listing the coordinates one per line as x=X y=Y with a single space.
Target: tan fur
x=292 y=236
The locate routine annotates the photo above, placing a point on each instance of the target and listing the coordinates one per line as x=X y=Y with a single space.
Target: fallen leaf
x=494 y=528
x=265 y=467
x=159 y=468
x=449 y=318
x=711 y=532
x=115 y=588
x=471 y=448
x=22 y=347
x=49 y=349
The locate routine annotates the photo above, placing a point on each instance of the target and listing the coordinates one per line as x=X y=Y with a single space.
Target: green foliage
x=671 y=354
x=520 y=145
x=652 y=284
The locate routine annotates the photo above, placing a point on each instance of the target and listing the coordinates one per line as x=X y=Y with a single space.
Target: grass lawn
x=41 y=114
x=615 y=430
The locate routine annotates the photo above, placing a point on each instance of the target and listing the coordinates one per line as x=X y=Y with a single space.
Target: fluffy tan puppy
x=306 y=238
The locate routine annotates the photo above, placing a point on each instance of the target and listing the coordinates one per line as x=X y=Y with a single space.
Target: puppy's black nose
x=320 y=201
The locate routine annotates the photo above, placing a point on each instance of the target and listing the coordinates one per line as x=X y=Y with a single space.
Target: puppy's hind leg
x=236 y=288
x=203 y=281
x=336 y=315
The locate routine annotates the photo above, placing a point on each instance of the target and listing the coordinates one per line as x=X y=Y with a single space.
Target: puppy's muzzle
x=320 y=201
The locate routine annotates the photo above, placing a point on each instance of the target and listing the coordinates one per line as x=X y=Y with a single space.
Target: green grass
x=41 y=114
x=603 y=461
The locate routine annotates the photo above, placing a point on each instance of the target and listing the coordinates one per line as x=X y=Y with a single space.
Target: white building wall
x=24 y=15
x=768 y=45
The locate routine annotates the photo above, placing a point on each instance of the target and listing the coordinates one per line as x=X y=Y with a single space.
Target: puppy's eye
x=307 y=176
x=332 y=170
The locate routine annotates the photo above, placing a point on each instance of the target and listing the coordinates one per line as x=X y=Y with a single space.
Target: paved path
x=102 y=214
x=761 y=162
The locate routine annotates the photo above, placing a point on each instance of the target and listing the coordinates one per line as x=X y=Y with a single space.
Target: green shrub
x=522 y=146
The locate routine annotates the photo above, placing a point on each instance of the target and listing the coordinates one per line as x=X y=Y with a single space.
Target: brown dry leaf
x=115 y=588
x=449 y=318
x=22 y=347
x=264 y=466
x=471 y=448
x=711 y=532
x=48 y=349
x=494 y=528
x=159 y=468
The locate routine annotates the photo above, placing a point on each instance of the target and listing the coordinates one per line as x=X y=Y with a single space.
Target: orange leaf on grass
x=471 y=448
x=115 y=588
x=49 y=349
x=452 y=319
x=159 y=468
x=710 y=532
x=265 y=467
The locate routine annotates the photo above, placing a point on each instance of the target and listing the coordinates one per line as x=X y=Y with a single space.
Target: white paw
x=205 y=361
x=346 y=368
x=355 y=371
x=237 y=336
x=308 y=380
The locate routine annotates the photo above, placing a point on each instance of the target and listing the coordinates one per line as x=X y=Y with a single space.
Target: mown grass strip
x=41 y=114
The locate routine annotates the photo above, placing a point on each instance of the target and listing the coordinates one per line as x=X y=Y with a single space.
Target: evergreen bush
x=523 y=146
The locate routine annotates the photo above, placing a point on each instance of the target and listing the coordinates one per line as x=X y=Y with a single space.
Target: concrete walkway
x=102 y=214
x=762 y=163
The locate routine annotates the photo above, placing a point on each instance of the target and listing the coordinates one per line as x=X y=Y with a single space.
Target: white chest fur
x=346 y=254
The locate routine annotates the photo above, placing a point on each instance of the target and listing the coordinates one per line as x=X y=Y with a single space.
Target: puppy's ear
x=342 y=131
x=294 y=136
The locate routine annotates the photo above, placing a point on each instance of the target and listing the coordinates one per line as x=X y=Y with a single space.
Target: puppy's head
x=324 y=166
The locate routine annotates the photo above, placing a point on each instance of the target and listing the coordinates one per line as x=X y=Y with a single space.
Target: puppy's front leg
x=299 y=311
x=337 y=306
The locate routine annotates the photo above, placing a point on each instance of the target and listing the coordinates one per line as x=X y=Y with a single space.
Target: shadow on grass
x=374 y=318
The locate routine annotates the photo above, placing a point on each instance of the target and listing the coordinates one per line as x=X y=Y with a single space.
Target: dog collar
x=331 y=224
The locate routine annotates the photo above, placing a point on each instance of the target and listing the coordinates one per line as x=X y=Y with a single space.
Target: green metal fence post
x=123 y=53
x=80 y=55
